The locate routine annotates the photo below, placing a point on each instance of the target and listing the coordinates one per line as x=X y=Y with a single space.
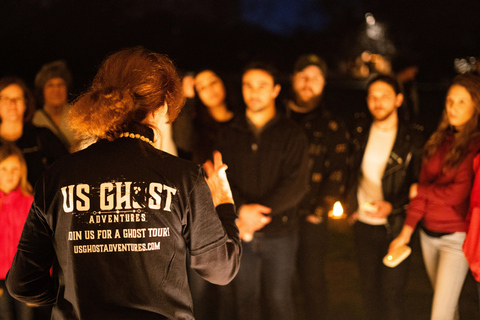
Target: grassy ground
x=344 y=286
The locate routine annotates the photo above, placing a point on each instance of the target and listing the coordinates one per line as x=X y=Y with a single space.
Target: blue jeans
x=263 y=285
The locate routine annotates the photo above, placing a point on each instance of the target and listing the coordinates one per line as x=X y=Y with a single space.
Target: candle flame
x=337 y=212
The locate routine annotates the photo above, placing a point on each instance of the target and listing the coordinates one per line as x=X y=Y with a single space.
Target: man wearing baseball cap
x=328 y=151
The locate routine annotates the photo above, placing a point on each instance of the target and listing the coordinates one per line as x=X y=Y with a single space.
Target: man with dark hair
x=328 y=151
x=386 y=162
x=268 y=166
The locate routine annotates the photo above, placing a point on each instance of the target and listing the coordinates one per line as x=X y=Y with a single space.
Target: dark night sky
x=226 y=33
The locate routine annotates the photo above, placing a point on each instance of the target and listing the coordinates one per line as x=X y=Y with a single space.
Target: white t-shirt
x=379 y=146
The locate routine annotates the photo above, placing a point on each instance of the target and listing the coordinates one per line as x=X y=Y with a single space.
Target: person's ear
x=160 y=114
x=399 y=100
x=276 y=90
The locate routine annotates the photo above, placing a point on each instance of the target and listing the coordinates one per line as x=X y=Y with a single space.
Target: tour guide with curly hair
x=117 y=219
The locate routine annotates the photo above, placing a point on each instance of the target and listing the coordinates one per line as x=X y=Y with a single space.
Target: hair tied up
x=129 y=85
x=117 y=105
x=115 y=95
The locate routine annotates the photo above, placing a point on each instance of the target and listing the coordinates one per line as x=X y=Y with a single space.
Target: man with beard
x=328 y=152
x=386 y=163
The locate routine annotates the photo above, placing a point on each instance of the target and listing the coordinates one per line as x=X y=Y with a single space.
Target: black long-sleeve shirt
x=269 y=168
x=116 y=221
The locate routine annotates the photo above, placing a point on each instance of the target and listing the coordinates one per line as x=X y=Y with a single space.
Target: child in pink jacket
x=15 y=201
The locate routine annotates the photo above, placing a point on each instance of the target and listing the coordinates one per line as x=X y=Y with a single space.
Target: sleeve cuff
x=227 y=211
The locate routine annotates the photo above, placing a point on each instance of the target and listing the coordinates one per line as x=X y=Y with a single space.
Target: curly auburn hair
x=129 y=85
x=471 y=130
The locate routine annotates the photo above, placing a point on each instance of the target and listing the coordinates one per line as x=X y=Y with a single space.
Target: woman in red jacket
x=442 y=195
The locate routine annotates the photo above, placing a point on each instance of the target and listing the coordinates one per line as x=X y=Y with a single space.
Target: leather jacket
x=402 y=170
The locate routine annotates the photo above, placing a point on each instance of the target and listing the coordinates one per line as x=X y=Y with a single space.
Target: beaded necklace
x=136 y=136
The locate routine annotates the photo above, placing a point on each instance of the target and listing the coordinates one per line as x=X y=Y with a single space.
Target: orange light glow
x=337 y=212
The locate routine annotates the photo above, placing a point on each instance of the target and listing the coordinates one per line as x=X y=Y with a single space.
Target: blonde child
x=15 y=201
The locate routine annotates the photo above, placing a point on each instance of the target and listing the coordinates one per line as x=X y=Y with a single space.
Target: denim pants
x=447 y=268
x=263 y=285
x=382 y=287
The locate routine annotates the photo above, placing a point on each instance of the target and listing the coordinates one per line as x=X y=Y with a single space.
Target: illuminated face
x=259 y=90
x=210 y=89
x=382 y=100
x=10 y=174
x=459 y=105
x=308 y=84
x=12 y=104
x=55 y=92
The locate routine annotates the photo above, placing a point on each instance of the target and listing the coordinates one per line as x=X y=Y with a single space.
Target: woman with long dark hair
x=213 y=110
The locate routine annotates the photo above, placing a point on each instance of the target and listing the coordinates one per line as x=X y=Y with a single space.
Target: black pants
x=383 y=288
x=311 y=257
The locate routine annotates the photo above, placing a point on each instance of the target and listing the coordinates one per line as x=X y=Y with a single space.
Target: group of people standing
x=282 y=163
x=388 y=175
x=288 y=163
x=110 y=225
x=33 y=134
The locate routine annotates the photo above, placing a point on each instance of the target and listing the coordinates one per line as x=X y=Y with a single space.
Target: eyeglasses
x=7 y=100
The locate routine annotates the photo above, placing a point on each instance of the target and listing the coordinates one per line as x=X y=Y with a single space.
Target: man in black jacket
x=386 y=162
x=328 y=152
x=266 y=156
